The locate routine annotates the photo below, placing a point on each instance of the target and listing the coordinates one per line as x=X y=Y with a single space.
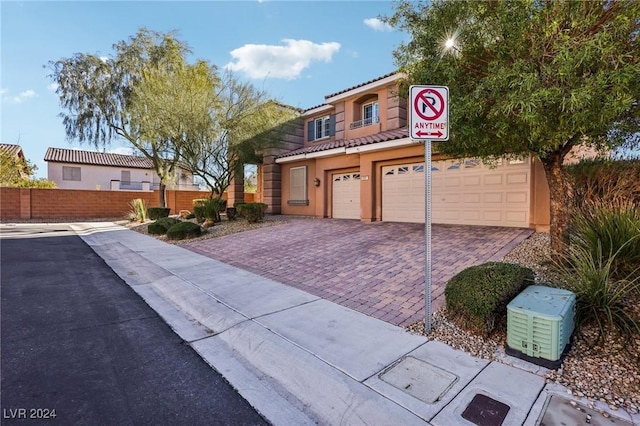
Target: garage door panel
x=494 y=216
x=468 y=192
x=493 y=180
x=493 y=197
x=515 y=178
x=346 y=196
x=472 y=198
x=517 y=197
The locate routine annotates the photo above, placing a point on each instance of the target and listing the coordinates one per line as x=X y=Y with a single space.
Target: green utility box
x=540 y=321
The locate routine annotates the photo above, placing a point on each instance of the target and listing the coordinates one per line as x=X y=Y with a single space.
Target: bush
x=183 y=230
x=158 y=212
x=138 y=210
x=601 y=298
x=253 y=212
x=605 y=181
x=199 y=210
x=161 y=226
x=478 y=296
x=213 y=207
x=607 y=229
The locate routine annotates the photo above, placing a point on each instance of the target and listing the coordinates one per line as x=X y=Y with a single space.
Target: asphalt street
x=80 y=347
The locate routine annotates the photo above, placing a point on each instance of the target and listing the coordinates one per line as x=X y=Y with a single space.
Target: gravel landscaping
x=608 y=373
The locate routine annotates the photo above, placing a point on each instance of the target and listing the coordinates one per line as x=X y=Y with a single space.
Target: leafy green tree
x=17 y=171
x=529 y=77
x=97 y=95
x=245 y=123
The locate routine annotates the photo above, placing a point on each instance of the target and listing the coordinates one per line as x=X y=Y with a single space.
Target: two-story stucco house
x=76 y=169
x=355 y=160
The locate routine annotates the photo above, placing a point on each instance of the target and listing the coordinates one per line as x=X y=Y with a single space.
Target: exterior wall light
x=316 y=182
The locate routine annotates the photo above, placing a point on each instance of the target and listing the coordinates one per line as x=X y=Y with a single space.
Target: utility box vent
x=540 y=321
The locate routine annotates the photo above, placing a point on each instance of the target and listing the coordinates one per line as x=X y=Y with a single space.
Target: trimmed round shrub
x=183 y=230
x=161 y=226
x=158 y=212
x=477 y=297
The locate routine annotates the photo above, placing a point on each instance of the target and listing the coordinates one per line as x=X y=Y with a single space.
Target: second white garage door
x=463 y=192
x=346 y=196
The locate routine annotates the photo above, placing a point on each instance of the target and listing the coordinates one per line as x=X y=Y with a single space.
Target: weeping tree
x=529 y=77
x=245 y=123
x=111 y=98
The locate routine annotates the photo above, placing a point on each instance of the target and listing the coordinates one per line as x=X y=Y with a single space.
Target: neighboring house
x=16 y=156
x=75 y=169
x=354 y=160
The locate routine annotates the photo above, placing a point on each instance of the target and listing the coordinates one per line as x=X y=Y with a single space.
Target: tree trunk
x=559 y=202
x=163 y=194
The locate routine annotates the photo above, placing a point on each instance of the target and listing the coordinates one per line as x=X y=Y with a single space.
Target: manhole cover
x=420 y=379
x=485 y=411
x=562 y=411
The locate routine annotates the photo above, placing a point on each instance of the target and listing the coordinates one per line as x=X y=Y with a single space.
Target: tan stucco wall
x=540 y=204
x=370 y=165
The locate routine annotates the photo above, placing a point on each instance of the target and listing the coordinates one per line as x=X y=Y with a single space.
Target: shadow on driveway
x=375 y=268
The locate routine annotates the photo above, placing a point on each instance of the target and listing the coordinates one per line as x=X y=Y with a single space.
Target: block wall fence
x=43 y=204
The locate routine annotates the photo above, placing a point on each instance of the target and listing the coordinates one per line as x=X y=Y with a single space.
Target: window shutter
x=332 y=125
x=310 y=130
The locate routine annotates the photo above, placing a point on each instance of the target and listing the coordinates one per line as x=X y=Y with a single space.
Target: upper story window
x=321 y=128
x=71 y=173
x=125 y=177
x=367 y=114
x=370 y=113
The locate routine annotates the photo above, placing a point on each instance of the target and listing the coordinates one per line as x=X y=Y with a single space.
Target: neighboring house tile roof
x=389 y=135
x=74 y=156
x=11 y=148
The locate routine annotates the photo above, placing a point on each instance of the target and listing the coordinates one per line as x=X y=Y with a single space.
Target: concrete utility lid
x=420 y=379
x=562 y=411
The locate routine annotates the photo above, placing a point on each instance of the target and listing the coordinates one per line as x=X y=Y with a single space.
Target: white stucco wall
x=100 y=177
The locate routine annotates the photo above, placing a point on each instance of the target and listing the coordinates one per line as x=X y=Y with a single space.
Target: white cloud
x=18 y=99
x=53 y=87
x=104 y=58
x=287 y=62
x=377 y=25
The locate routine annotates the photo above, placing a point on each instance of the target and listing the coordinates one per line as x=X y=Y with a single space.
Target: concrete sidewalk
x=299 y=359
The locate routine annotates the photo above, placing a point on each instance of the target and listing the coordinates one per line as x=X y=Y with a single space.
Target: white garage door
x=465 y=193
x=346 y=196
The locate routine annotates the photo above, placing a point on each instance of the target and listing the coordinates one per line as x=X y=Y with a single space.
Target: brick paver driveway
x=375 y=268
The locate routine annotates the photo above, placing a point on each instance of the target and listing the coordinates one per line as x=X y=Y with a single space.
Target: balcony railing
x=365 y=122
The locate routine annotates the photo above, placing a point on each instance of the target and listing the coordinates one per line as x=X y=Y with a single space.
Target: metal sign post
x=429 y=121
x=427 y=235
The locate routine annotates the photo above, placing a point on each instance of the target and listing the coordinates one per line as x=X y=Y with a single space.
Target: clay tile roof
x=389 y=135
x=11 y=148
x=74 y=156
x=360 y=85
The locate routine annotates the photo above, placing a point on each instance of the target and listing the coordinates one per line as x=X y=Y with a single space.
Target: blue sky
x=298 y=51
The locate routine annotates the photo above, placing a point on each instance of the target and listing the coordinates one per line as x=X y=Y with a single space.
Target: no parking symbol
x=429 y=117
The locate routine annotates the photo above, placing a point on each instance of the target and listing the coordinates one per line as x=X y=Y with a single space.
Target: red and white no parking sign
x=429 y=117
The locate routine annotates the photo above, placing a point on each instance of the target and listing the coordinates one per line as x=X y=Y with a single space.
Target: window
x=298 y=186
x=321 y=128
x=125 y=177
x=370 y=113
x=71 y=173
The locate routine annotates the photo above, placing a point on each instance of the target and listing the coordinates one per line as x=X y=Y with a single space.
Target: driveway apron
x=374 y=268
